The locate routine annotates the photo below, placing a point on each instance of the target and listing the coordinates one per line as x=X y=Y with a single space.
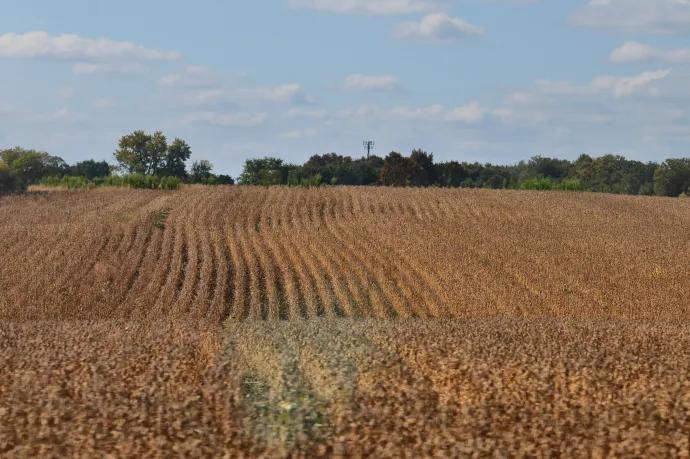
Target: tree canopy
x=150 y=154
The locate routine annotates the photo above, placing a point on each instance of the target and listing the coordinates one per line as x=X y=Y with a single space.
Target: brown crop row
x=375 y=322
x=254 y=253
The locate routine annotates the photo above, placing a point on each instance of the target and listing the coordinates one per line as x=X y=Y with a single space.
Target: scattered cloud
x=302 y=112
x=628 y=102
x=626 y=86
x=292 y=93
x=372 y=7
x=638 y=52
x=90 y=56
x=635 y=16
x=221 y=119
x=618 y=87
x=200 y=87
x=373 y=83
x=437 y=27
x=197 y=76
x=41 y=45
x=471 y=113
x=103 y=68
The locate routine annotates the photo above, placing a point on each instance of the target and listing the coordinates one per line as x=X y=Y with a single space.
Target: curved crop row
x=250 y=253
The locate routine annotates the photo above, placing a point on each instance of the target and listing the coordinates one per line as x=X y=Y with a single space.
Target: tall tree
x=450 y=174
x=176 y=158
x=425 y=172
x=264 y=171
x=397 y=170
x=142 y=153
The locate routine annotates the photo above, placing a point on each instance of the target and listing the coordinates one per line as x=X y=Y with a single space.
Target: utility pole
x=369 y=145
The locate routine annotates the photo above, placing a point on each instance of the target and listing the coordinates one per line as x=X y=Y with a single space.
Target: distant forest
x=149 y=161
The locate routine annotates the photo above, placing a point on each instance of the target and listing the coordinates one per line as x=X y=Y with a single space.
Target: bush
x=171 y=183
x=51 y=181
x=69 y=182
x=546 y=184
x=126 y=181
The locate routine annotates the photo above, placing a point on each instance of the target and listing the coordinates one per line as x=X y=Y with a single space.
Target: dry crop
x=253 y=253
x=343 y=321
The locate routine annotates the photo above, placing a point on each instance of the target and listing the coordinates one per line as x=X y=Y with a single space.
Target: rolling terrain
x=343 y=321
x=216 y=254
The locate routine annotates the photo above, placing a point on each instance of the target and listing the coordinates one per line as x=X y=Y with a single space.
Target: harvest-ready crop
x=343 y=321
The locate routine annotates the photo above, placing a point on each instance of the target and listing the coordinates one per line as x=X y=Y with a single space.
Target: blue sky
x=475 y=80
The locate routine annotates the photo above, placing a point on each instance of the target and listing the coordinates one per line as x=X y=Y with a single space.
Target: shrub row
x=138 y=181
x=546 y=184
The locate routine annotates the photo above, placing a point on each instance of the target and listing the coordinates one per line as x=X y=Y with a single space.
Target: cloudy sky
x=485 y=80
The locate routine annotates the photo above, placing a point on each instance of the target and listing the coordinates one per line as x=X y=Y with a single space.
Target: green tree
x=9 y=182
x=90 y=169
x=424 y=170
x=29 y=166
x=672 y=178
x=397 y=170
x=141 y=153
x=450 y=174
x=265 y=171
x=223 y=179
x=200 y=170
x=177 y=155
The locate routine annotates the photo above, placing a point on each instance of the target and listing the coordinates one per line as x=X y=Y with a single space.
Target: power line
x=369 y=145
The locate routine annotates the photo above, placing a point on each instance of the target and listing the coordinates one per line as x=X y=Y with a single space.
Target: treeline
x=142 y=161
x=150 y=161
x=608 y=173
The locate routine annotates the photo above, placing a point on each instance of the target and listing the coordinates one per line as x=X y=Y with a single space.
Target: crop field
x=356 y=321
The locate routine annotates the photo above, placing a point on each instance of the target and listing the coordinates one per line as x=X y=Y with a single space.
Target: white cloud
x=639 y=52
x=301 y=112
x=374 y=7
x=60 y=114
x=471 y=113
x=624 y=103
x=192 y=76
x=626 y=86
x=197 y=76
x=102 y=68
x=619 y=87
x=373 y=83
x=437 y=27
x=240 y=119
x=635 y=16
x=201 y=87
x=37 y=45
x=293 y=93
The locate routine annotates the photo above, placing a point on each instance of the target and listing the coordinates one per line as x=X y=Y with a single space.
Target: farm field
x=343 y=321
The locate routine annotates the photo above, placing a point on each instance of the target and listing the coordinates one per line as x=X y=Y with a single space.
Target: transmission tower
x=369 y=145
